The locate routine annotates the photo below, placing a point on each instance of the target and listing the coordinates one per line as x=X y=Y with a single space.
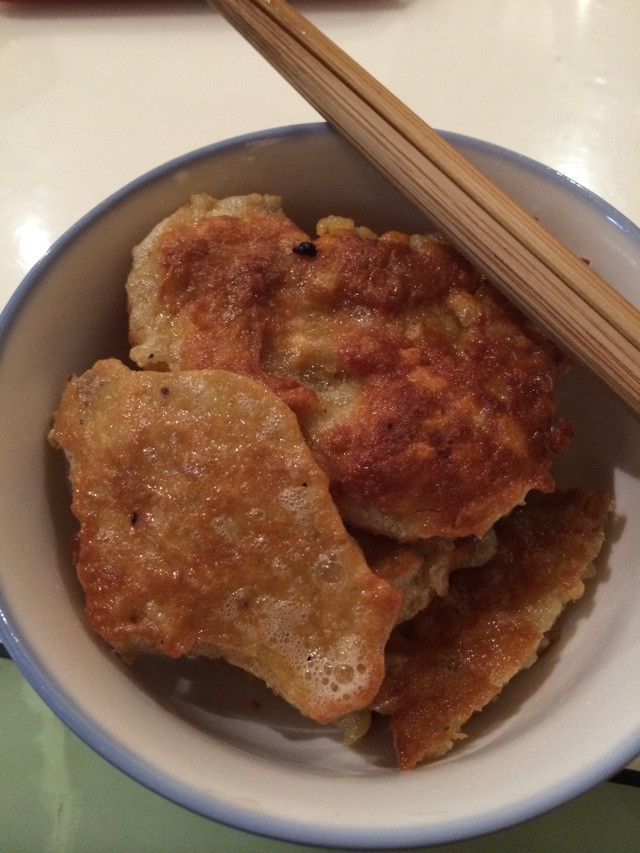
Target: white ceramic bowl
x=212 y=738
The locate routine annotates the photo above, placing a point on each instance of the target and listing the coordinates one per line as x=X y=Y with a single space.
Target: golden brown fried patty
x=427 y=399
x=420 y=570
x=206 y=526
x=456 y=655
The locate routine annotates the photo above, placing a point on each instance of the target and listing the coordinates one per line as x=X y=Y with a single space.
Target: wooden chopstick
x=593 y=323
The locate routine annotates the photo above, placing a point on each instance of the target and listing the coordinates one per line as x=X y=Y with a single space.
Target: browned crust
x=427 y=399
x=206 y=526
x=457 y=655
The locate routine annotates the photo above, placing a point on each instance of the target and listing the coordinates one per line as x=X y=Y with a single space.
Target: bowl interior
x=212 y=738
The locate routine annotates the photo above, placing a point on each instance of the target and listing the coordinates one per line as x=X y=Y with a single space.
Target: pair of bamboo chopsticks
x=596 y=326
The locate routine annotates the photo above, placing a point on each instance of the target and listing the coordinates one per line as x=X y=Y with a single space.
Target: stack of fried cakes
x=332 y=469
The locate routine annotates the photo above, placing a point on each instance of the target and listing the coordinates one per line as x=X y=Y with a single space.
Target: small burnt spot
x=305 y=248
x=134 y=518
x=165 y=391
x=389 y=424
x=304 y=485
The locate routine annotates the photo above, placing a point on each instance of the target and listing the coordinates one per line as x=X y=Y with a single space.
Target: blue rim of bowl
x=142 y=771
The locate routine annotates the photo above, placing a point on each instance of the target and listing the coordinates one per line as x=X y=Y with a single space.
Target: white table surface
x=92 y=94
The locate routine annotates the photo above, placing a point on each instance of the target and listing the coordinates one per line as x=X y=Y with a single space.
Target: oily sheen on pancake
x=428 y=400
x=457 y=655
x=206 y=527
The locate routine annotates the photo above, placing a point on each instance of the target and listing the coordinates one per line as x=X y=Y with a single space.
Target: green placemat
x=58 y=796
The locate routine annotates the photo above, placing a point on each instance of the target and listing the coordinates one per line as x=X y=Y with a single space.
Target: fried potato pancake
x=457 y=655
x=425 y=396
x=206 y=526
x=420 y=570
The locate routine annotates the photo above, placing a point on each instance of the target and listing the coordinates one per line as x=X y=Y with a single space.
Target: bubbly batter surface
x=206 y=526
